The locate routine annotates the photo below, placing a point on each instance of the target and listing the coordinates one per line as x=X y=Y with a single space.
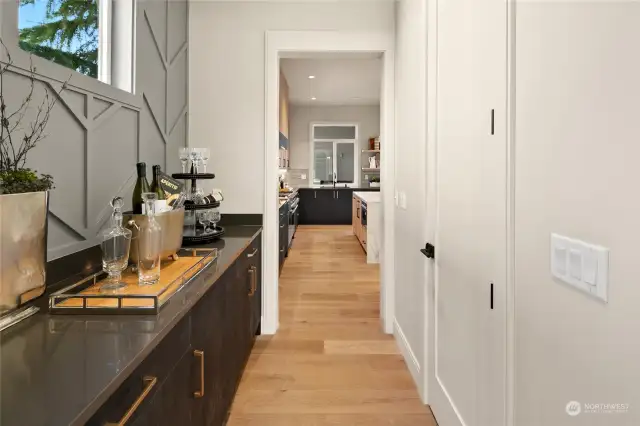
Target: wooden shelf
x=366 y=169
x=370 y=150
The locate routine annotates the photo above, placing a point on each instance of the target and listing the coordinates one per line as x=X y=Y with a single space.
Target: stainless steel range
x=294 y=215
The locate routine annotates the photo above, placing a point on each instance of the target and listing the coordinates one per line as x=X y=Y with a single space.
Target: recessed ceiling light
x=313 y=99
x=312 y=77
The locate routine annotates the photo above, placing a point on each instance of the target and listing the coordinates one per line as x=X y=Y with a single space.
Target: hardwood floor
x=329 y=363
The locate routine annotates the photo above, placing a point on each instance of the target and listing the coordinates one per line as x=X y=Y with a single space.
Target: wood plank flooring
x=329 y=364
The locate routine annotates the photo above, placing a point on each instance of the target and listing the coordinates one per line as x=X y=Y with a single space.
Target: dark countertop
x=57 y=370
x=366 y=188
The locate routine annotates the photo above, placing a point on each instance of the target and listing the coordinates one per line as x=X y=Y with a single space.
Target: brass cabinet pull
x=200 y=354
x=252 y=274
x=253 y=254
x=149 y=383
x=255 y=278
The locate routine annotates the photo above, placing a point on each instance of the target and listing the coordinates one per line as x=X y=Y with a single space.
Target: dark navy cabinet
x=326 y=206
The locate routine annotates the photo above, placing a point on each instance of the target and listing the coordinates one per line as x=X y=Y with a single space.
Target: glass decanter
x=149 y=243
x=115 y=243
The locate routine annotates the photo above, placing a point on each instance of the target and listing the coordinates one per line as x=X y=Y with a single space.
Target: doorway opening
x=332 y=180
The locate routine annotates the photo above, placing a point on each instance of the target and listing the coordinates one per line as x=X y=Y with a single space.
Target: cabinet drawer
x=135 y=395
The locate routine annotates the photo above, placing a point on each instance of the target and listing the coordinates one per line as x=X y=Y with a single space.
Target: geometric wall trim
x=94 y=141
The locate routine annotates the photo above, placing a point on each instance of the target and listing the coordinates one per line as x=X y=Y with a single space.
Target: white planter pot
x=374 y=184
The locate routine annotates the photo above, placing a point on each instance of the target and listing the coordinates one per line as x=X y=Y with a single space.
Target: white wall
x=227 y=87
x=367 y=117
x=411 y=45
x=577 y=149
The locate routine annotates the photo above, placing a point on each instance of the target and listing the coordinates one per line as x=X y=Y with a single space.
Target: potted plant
x=374 y=182
x=24 y=194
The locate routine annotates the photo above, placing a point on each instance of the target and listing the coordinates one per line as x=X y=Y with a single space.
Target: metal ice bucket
x=23 y=247
x=172 y=224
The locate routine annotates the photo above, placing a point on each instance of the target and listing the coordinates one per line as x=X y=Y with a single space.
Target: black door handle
x=429 y=250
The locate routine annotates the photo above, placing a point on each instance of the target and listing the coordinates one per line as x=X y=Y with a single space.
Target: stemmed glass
x=206 y=153
x=214 y=218
x=193 y=154
x=184 y=158
x=198 y=158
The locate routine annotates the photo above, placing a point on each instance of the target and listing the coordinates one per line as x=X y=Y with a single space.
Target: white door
x=469 y=316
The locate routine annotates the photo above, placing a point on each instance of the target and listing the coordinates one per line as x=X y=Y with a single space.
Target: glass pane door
x=345 y=160
x=323 y=162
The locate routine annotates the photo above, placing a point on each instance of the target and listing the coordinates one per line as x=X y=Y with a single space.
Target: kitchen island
x=327 y=205
x=181 y=366
x=367 y=223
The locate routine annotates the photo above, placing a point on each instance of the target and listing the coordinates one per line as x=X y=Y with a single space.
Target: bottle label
x=161 y=206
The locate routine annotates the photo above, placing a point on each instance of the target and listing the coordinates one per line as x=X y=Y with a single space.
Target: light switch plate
x=403 y=200
x=582 y=265
x=303 y=176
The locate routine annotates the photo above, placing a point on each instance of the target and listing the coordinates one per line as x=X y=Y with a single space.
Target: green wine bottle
x=156 y=186
x=142 y=186
x=155 y=183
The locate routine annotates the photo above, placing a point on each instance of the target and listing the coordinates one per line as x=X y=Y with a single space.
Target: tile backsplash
x=297 y=177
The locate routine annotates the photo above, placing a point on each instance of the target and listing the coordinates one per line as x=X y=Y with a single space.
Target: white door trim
x=279 y=44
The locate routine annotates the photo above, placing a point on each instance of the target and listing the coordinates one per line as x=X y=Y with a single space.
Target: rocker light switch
x=575 y=264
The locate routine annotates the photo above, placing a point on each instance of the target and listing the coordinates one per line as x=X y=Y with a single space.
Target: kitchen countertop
x=368 y=197
x=57 y=370
x=363 y=188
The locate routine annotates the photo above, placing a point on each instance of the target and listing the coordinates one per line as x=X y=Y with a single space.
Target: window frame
x=354 y=142
x=56 y=74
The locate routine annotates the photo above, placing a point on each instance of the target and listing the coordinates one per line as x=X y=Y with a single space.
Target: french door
x=469 y=315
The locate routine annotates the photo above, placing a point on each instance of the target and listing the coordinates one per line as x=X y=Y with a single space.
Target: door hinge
x=491 y=301
x=429 y=250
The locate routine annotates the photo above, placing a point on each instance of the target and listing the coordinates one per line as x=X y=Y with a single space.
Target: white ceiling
x=340 y=79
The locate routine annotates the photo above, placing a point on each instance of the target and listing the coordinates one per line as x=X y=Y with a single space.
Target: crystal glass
x=184 y=158
x=115 y=242
x=197 y=196
x=193 y=155
x=149 y=244
x=206 y=153
x=214 y=218
x=203 y=218
x=199 y=159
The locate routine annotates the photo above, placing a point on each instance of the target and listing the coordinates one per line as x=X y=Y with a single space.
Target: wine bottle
x=156 y=187
x=155 y=183
x=142 y=186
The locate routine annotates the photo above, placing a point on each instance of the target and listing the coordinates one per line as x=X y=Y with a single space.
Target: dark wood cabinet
x=207 y=341
x=136 y=399
x=254 y=268
x=283 y=235
x=342 y=212
x=192 y=376
x=172 y=404
x=325 y=206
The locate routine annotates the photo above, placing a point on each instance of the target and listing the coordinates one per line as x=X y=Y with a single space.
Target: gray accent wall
x=97 y=133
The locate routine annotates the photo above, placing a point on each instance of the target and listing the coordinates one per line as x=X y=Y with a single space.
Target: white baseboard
x=409 y=357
